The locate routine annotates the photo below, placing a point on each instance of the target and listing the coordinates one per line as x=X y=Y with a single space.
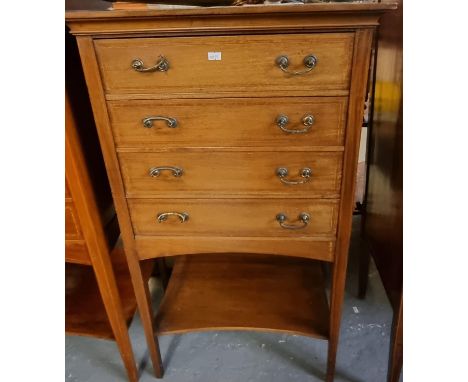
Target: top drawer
x=227 y=63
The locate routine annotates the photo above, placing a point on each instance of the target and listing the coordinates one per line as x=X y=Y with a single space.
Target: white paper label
x=214 y=56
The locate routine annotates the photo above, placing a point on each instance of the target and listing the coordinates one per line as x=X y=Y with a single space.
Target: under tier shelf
x=84 y=310
x=245 y=292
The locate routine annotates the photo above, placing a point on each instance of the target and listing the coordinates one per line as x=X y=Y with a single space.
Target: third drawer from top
x=215 y=173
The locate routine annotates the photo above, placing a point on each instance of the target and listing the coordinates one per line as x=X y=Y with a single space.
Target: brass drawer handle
x=176 y=171
x=305 y=173
x=161 y=66
x=183 y=216
x=170 y=122
x=309 y=62
x=282 y=120
x=303 y=216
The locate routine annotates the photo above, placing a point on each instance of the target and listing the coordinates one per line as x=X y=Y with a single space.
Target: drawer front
x=238 y=63
x=198 y=174
x=230 y=122
x=233 y=217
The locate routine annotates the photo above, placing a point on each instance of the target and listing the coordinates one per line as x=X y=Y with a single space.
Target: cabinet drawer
x=226 y=63
x=230 y=122
x=233 y=217
x=199 y=174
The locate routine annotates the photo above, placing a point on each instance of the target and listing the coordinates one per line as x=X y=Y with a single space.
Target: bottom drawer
x=158 y=246
x=235 y=217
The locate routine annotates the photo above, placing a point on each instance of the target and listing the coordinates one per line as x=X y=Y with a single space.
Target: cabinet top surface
x=96 y=9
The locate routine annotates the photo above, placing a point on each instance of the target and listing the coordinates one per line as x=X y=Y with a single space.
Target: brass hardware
x=176 y=171
x=161 y=66
x=303 y=216
x=309 y=62
x=170 y=122
x=305 y=173
x=282 y=120
x=183 y=216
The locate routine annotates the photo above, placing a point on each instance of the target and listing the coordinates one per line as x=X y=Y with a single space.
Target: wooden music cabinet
x=230 y=137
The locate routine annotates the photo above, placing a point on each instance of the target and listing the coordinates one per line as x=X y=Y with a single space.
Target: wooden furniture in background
x=100 y=301
x=383 y=208
x=233 y=131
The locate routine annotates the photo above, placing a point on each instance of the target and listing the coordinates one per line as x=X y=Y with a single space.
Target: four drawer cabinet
x=230 y=136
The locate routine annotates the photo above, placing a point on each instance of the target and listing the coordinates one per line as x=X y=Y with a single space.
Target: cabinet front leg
x=143 y=298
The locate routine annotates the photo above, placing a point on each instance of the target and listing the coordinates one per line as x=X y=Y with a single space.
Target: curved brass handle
x=305 y=173
x=176 y=171
x=282 y=120
x=309 y=62
x=170 y=122
x=303 y=216
x=161 y=66
x=183 y=216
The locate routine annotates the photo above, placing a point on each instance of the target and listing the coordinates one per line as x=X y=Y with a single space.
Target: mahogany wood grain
x=236 y=174
x=72 y=225
x=76 y=252
x=360 y=70
x=318 y=248
x=229 y=121
x=67 y=191
x=244 y=292
x=98 y=103
x=247 y=63
x=233 y=217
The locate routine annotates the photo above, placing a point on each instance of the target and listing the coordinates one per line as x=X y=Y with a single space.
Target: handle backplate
x=283 y=120
x=304 y=217
x=310 y=61
x=161 y=66
x=305 y=173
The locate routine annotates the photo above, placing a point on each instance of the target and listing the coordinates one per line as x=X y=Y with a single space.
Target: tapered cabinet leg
x=331 y=362
x=111 y=300
x=337 y=292
x=396 y=345
x=142 y=295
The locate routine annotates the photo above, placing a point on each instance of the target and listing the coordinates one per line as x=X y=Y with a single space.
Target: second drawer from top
x=229 y=122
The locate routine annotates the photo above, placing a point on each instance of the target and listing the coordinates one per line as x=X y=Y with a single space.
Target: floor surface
x=253 y=356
